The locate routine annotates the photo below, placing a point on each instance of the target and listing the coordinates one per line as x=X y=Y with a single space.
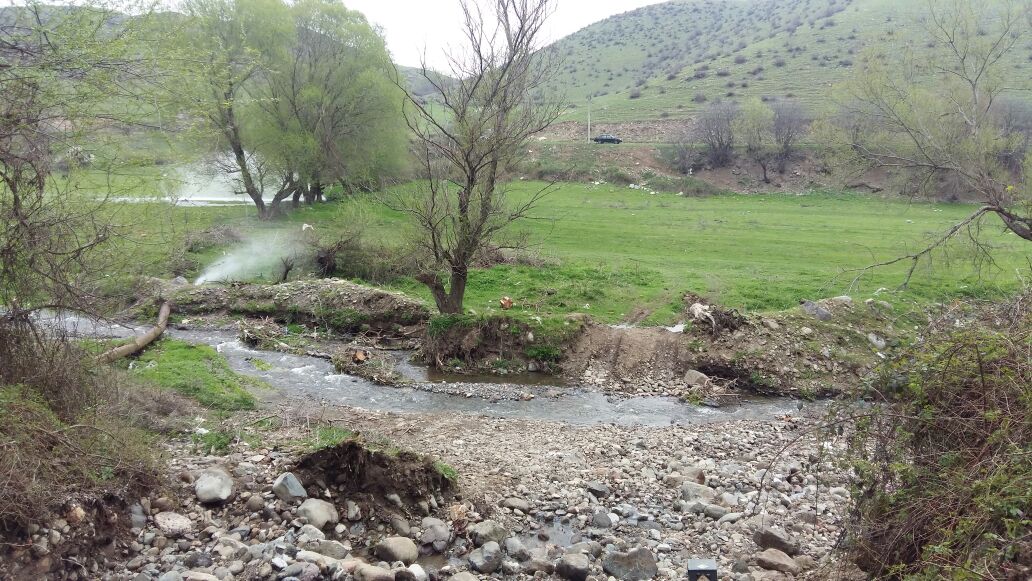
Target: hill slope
x=668 y=59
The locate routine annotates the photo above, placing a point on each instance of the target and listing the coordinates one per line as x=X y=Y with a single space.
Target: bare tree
x=470 y=137
x=716 y=130
x=60 y=70
x=932 y=117
x=789 y=128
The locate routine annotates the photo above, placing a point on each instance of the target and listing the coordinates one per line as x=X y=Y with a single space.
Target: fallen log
x=140 y=341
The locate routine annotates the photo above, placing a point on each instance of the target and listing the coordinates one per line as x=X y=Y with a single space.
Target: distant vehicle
x=607 y=138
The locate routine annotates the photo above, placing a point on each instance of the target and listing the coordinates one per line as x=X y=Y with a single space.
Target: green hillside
x=669 y=59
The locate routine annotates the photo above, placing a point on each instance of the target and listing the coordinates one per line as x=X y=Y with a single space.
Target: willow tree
x=471 y=135
x=932 y=114
x=226 y=47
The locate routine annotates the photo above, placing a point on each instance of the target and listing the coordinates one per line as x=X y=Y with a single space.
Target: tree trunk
x=449 y=301
x=236 y=144
x=457 y=290
x=140 y=342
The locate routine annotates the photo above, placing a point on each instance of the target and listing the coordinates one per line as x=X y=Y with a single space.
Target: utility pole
x=589 y=118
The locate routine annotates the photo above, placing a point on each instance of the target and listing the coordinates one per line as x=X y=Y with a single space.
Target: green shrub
x=547 y=353
x=944 y=465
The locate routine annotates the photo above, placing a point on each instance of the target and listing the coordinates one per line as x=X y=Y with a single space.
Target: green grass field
x=624 y=253
x=620 y=254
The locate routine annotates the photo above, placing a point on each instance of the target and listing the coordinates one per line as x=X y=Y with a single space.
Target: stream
x=295 y=375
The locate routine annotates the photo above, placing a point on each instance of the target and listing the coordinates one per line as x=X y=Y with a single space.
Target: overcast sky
x=414 y=25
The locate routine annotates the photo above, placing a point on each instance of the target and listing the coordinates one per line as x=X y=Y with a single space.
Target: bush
x=944 y=466
x=72 y=432
x=635 y=94
x=740 y=60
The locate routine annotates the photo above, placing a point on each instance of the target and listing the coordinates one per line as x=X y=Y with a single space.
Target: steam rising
x=259 y=255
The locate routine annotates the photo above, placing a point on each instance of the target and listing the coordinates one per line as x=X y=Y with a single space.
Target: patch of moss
x=197 y=371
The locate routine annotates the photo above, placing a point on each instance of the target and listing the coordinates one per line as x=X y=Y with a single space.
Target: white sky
x=411 y=26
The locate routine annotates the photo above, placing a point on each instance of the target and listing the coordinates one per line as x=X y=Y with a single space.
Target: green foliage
x=548 y=353
x=326 y=437
x=212 y=442
x=440 y=324
x=329 y=109
x=943 y=466
x=197 y=371
x=447 y=471
x=299 y=93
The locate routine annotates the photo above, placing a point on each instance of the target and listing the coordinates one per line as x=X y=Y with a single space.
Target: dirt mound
x=335 y=304
x=374 y=475
x=724 y=352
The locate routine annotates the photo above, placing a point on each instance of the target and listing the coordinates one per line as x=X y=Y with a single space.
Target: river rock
x=517 y=504
x=813 y=309
x=601 y=520
x=366 y=572
x=694 y=491
x=173 y=524
x=487 y=531
x=318 y=512
x=435 y=533
x=696 y=378
x=464 y=576
x=332 y=549
x=599 y=489
x=394 y=549
x=877 y=341
x=634 y=565
x=288 y=488
x=772 y=538
x=574 y=567
x=487 y=558
x=515 y=548
x=213 y=485
x=775 y=560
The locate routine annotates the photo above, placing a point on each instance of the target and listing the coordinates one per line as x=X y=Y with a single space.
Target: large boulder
x=573 y=566
x=318 y=512
x=435 y=533
x=288 y=488
x=213 y=485
x=487 y=531
x=771 y=538
x=634 y=565
x=694 y=491
x=394 y=549
x=487 y=558
x=775 y=560
x=172 y=524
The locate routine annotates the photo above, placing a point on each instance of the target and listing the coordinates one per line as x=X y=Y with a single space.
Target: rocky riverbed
x=762 y=498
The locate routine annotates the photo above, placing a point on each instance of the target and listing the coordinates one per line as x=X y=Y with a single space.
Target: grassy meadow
x=622 y=254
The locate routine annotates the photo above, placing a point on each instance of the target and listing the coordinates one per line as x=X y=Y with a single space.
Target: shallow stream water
x=314 y=377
